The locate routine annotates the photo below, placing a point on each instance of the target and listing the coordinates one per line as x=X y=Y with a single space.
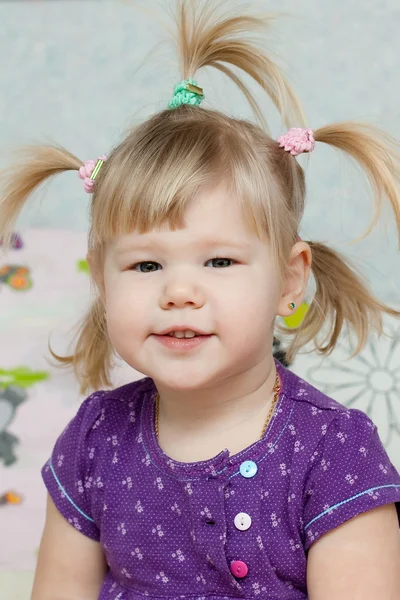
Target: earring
x=292 y=306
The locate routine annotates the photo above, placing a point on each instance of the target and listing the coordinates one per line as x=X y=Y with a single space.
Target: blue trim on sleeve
x=328 y=510
x=67 y=496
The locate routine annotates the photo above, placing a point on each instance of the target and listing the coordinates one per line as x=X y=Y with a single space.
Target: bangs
x=150 y=179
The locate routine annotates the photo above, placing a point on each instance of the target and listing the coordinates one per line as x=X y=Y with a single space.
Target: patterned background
x=70 y=74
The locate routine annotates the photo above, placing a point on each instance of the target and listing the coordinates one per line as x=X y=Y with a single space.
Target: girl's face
x=213 y=277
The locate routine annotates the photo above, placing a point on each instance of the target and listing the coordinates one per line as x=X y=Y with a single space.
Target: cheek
x=125 y=309
x=121 y=326
x=253 y=301
x=123 y=294
x=246 y=324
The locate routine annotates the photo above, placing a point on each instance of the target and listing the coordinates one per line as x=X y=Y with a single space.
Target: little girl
x=221 y=474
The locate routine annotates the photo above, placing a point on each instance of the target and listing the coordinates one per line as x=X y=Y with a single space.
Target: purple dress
x=230 y=527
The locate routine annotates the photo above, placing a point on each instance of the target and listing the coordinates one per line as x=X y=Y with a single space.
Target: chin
x=182 y=384
x=183 y=381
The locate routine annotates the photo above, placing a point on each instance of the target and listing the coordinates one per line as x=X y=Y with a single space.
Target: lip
x=182 y=344
x=182 y=328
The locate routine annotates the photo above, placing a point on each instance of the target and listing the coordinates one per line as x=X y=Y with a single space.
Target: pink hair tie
x=297 y=140
x=89 y=172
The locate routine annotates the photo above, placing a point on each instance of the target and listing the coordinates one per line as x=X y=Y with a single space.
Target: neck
x=236 y=402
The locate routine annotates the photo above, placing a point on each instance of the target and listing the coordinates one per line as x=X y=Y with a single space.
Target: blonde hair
x=161 y=165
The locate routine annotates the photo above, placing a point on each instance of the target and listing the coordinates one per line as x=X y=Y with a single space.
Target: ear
x=96 y=271
x=298 y=272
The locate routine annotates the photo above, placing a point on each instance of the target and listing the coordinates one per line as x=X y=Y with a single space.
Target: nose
x=180 y=294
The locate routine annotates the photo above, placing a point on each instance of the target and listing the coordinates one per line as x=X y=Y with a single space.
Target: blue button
x=248 y=469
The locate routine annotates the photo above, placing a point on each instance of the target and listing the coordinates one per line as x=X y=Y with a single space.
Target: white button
x=248 y=469
x=242 y=521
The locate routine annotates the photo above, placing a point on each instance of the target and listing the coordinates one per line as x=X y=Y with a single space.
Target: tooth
x=179 y=334
x=190 y=334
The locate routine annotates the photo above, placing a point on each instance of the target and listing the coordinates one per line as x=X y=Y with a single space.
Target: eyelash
x=135 y=266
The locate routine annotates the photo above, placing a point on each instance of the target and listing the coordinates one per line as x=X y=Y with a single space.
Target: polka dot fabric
x=231 y=527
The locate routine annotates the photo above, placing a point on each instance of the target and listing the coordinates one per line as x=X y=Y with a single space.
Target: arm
x=359 y=560
x=71 y=566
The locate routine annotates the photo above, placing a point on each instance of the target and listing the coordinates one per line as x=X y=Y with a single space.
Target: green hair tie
x=186 y=92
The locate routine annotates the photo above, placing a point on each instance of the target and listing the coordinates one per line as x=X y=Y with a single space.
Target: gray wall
x=70 y=74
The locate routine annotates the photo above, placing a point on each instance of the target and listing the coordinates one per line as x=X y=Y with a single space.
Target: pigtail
x=377 y=153
x=342 y=298
x=91 y=360
x=206 y=39
x=36 y=165
x=93 y=352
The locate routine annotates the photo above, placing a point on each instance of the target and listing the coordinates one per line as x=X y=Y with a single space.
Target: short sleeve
x=69 y=474
x=350 y=474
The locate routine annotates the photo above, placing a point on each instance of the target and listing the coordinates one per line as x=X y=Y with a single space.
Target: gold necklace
x=276 y=390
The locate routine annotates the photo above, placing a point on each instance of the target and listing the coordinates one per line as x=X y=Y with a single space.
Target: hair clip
x=89 y=171
x=186 y=92
x=297 y=140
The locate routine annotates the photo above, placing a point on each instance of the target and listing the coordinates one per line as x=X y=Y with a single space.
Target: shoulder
x=318 y=415
x=345 y=468
x=77 y=472
x=93 y=433
x=127 y=396
x=105 y=409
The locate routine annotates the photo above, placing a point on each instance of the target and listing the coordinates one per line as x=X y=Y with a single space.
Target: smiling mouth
x=185 y=339
x=187 y=334
x=183 y=332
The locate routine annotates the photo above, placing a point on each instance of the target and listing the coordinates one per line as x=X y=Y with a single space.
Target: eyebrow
x=155 y=245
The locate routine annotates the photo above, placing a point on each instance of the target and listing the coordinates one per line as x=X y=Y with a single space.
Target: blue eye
x=221 y=263
x=146 y=266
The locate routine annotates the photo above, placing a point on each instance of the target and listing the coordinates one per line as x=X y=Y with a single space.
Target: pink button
x=239 y=569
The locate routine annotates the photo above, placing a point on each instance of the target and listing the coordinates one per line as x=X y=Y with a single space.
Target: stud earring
x=292 y=306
